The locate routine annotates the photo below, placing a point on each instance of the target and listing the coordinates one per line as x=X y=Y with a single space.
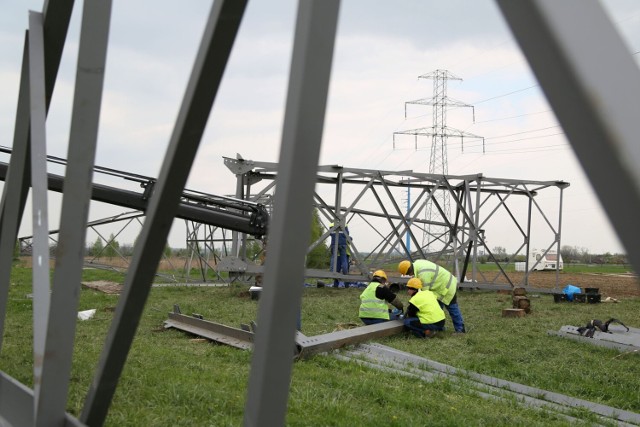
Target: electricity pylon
x=439 y=133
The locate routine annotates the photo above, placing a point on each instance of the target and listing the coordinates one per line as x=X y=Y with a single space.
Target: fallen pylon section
x=617 y=338
x=304 y=346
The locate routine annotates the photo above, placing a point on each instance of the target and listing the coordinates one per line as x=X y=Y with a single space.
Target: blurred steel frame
x=596 y=112
x=572 y=47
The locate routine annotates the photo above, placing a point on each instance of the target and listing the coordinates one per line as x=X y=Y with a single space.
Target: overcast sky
x=381 y=49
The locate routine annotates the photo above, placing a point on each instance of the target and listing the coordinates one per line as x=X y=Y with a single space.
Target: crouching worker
x=374 y=299
x=424 y=315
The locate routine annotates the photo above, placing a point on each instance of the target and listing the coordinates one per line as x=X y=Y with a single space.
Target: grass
x=568 y=268
x=170 y=379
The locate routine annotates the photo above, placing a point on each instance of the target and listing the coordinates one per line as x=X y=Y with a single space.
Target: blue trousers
x=372 y=321
x=456 y=316
x=343 y=267
x=417 y=328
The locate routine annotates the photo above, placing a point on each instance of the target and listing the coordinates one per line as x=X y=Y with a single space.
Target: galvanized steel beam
x=83 y=135
x=572 y=46
x=219 y=35
x=289 y=232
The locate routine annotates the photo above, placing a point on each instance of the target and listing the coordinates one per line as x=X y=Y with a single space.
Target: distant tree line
x=570 y=255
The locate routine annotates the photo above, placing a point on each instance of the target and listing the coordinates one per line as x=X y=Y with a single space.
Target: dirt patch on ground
x=609 y=285
x=103 y=286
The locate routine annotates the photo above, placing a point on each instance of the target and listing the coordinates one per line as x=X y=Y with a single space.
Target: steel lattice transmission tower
x=439 y=133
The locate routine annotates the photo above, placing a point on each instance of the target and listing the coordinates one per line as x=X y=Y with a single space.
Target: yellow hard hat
x=414 y=283
x=403 y=267
x=381 y=274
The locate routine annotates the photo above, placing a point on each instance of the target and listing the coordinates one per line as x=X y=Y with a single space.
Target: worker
x=439 y=281
x=341 y=258
x=374 y=299
x=424 y=315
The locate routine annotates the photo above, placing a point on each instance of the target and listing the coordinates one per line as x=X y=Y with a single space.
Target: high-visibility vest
x=372 y=307
x=436 y=279
x=429 y=310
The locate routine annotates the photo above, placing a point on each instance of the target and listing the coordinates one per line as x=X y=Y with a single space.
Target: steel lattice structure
x=556 y=37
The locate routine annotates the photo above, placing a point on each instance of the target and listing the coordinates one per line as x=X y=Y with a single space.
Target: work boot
x=428 y=333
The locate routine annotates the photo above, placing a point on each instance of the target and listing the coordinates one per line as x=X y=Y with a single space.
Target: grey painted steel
x=376 y=359
x=15 y=189
x=482 y=390
x=289 y=232
x=16 y=404
x=619 y=339
x=214 y=331
x=604 y=410
x=92 y=53
x=57 y=15
x=40 y=212
x=213 y=54
x=572 y=46
x=335 y=340
x=304 y=346
x=224 y=213
x=467 y=228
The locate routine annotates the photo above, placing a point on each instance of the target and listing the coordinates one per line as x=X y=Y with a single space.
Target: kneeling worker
x=424 y=314
x=374 y=299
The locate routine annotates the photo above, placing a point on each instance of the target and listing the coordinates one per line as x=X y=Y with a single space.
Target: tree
x=112 y=247
x=97 y=248
x=319 y=256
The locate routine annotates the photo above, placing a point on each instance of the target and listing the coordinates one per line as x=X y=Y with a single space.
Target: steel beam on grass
x=572 y=46
x=620 y=339
x=76 y=198
x=408 y=358
x=304 y=346
x=269 y=379
x=211 y=330
x=218 y=39
x=376 y=358
x=335 y=340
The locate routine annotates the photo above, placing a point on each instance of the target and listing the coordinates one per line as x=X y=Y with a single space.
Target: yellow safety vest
x=429 y=310
x=372 y=307
x=436 y=279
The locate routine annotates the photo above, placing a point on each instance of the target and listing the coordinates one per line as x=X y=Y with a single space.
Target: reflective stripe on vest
x=372 y=307
x=435 y=276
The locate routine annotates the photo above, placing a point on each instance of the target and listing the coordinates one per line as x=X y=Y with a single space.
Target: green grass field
x=170 y=379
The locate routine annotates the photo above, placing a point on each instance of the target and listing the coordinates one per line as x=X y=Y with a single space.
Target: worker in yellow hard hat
x=424 y=315
x=439 y=281
x=374 y=299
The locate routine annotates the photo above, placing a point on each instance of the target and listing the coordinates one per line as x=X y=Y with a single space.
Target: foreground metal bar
x=15 y=189
x=213 y=54
x=572 y=46
x=17 y=402
x=57 y=15
x=40 y=213
x=289 y=233
x=61 y=326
